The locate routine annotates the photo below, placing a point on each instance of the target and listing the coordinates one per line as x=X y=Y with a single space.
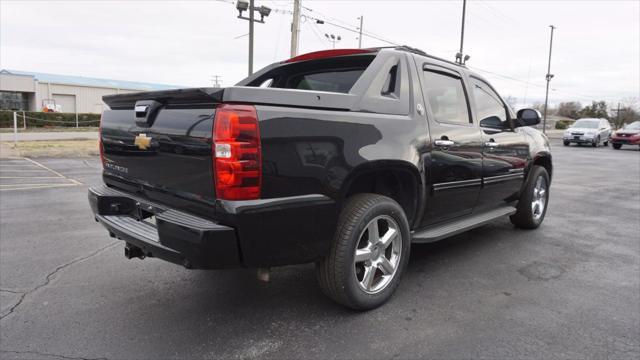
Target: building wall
x=87 y=99
x=17 y=83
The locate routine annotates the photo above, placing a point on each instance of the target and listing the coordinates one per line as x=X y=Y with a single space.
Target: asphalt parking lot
x=570 y=289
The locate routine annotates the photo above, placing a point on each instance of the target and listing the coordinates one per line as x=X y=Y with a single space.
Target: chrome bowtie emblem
x=143 y=142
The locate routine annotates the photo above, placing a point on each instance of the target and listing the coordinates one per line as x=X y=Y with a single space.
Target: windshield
x=586 y=124
x=633 y=126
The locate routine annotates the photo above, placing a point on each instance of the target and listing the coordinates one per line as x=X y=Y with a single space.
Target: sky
x=596 y=46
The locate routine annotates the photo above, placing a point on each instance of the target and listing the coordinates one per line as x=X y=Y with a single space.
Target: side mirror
x=492 y=122
x=528 y=117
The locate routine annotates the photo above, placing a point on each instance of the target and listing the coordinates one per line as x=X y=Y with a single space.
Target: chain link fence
x=32 y=119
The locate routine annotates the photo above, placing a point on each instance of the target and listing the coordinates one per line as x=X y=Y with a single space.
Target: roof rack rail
x=420 y=52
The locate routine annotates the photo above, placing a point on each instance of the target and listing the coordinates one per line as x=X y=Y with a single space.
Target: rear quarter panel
x=308 y=152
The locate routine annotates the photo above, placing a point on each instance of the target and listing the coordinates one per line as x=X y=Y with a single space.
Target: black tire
x=596 y=142
x=566 y=143
x=616 y=146
x=606 y=143
x=524 y=216
x=337 y=273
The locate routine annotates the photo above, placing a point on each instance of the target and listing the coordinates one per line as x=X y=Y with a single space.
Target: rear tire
x=616 y=146
x=534 y=200
x=566 y=143
x=606 y=143
x=366 y=281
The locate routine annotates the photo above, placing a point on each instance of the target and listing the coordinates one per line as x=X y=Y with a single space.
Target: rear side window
x=334 y=81
x=336 y=74
x=447 y=98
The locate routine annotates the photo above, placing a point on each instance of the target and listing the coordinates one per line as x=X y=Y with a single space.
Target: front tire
x=534 y=199
x=596 y=142
x=369 y=253
x=616 y=146
x=566 y=143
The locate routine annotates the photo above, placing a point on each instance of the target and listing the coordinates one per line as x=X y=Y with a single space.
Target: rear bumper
x=174 y=236
x=251 y=233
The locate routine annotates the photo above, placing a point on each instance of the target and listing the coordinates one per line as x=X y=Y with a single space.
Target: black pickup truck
x=339 y=157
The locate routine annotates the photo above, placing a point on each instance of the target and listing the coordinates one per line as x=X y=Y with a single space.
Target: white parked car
x=588 y=131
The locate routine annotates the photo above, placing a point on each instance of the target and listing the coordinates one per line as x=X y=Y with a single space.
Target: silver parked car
x=588 y=131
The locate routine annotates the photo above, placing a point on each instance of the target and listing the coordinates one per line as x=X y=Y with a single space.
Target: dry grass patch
x=50 y=148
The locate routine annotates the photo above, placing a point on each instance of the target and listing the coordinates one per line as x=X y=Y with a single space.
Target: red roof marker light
x=328 y=54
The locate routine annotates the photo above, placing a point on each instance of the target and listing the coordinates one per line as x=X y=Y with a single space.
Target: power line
x=591 y=97
x=496 y=12
x=312 y=26
x=355 y=31
x=333 y=21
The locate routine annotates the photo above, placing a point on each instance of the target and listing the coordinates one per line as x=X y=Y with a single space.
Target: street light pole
x=464 y=10
x=548 y=77
x=333 y=38
x=250 y=37
x=243 y=5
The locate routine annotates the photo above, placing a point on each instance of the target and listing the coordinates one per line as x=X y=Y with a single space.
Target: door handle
x=441 y=142
x=491 y=144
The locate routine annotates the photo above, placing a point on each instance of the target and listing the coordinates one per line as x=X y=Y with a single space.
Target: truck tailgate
x=169 y=154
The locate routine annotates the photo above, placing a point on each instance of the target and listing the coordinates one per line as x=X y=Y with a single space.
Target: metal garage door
x=66 y=102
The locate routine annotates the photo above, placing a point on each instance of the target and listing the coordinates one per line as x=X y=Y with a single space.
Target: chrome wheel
x=539 y=199
x=377 y=254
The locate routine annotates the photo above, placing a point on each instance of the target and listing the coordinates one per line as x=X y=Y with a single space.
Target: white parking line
x=32 y=186
x=53 y=171
x=30 y=177
x=32 y=166
x=6 y=171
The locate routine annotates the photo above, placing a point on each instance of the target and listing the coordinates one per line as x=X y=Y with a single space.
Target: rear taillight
x=237 y=156
x=100 y=145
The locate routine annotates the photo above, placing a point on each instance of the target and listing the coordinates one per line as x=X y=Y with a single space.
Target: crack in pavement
x=53 y=273
x=50 y=355
x=12 y=291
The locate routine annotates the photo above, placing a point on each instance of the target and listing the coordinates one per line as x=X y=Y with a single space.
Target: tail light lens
x=100 y=145
x=237 y=154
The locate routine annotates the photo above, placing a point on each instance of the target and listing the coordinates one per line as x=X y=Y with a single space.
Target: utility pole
x=618 y=115
x=217 y=80
x=295 y=28
x=459 y=54
x=360 y=36
x=548 y=77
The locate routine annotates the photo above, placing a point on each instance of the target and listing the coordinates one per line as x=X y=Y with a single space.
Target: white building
x=30 y=91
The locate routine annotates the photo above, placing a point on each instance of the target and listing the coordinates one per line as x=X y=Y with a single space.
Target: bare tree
x=570 y=109
x=540 y=107
x=629 y=112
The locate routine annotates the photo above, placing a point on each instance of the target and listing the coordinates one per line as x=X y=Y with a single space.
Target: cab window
x=488 y=103
x=447 y=98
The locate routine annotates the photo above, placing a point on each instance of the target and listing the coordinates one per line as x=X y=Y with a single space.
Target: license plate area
x=146 y=213
x=576 y=138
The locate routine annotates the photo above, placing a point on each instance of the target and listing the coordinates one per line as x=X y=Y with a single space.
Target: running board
x=451 y=228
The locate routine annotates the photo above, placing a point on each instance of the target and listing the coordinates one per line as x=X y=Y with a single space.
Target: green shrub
x=562 y=124
x=42 y=119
